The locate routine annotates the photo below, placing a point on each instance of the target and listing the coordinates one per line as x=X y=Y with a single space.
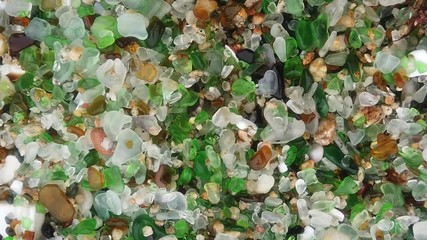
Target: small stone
x=338 y=44
x=318 y=69
x=372 y=114
x=326 y=132
x=95 y=178
x=261 y=158
x=58 y=205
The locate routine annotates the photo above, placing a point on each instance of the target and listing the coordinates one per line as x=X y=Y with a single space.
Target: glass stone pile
x=204 y=119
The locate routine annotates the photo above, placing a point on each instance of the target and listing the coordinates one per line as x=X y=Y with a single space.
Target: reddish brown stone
x=261 y=158
x=97 y=136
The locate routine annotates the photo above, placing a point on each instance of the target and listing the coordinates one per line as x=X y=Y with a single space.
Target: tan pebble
x=338 y=44
x=326 y=131
x=318 y=69
x=346 y=21
x=218 y=227
x=58 y=205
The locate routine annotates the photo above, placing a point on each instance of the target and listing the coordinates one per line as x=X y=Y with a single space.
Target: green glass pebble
x=200 y=167
x=412 y=157
x=181 y=228
x=305 y=36
x=198 y=60
x=420 y=191
x=29 y=57
x=384 y=208
x=84 y=227
x=294 y=7
x=85 y=10
x=321 y=102
x=97 y=106
x=335 y=155
x=202 y=117
x=91 y=158
x=352 y=64
x=293 y=68
x=113 y=179
x=185 y=177
x=45 y=137
x=305 y=81
x=88 y=83
x=40 y=208
x=347 y=186
x=180 y=128
x=51 y=39
x=145 y=220
x=26 y=223
x=104 y=28
x=354 y=39
x=320 y=29
x=335 y=84
x=291 y=47
x=242 y=87
x=392 y=194
x=75 y=29
x=236 y=185
x=155 y=30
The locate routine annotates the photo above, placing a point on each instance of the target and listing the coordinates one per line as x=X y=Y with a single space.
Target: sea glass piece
x=126 y=29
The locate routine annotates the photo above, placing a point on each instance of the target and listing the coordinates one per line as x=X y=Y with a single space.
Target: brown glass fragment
x=28 y=235
x=386 y=146
x=203 y=9
x=18 y=42
x=96 y=179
